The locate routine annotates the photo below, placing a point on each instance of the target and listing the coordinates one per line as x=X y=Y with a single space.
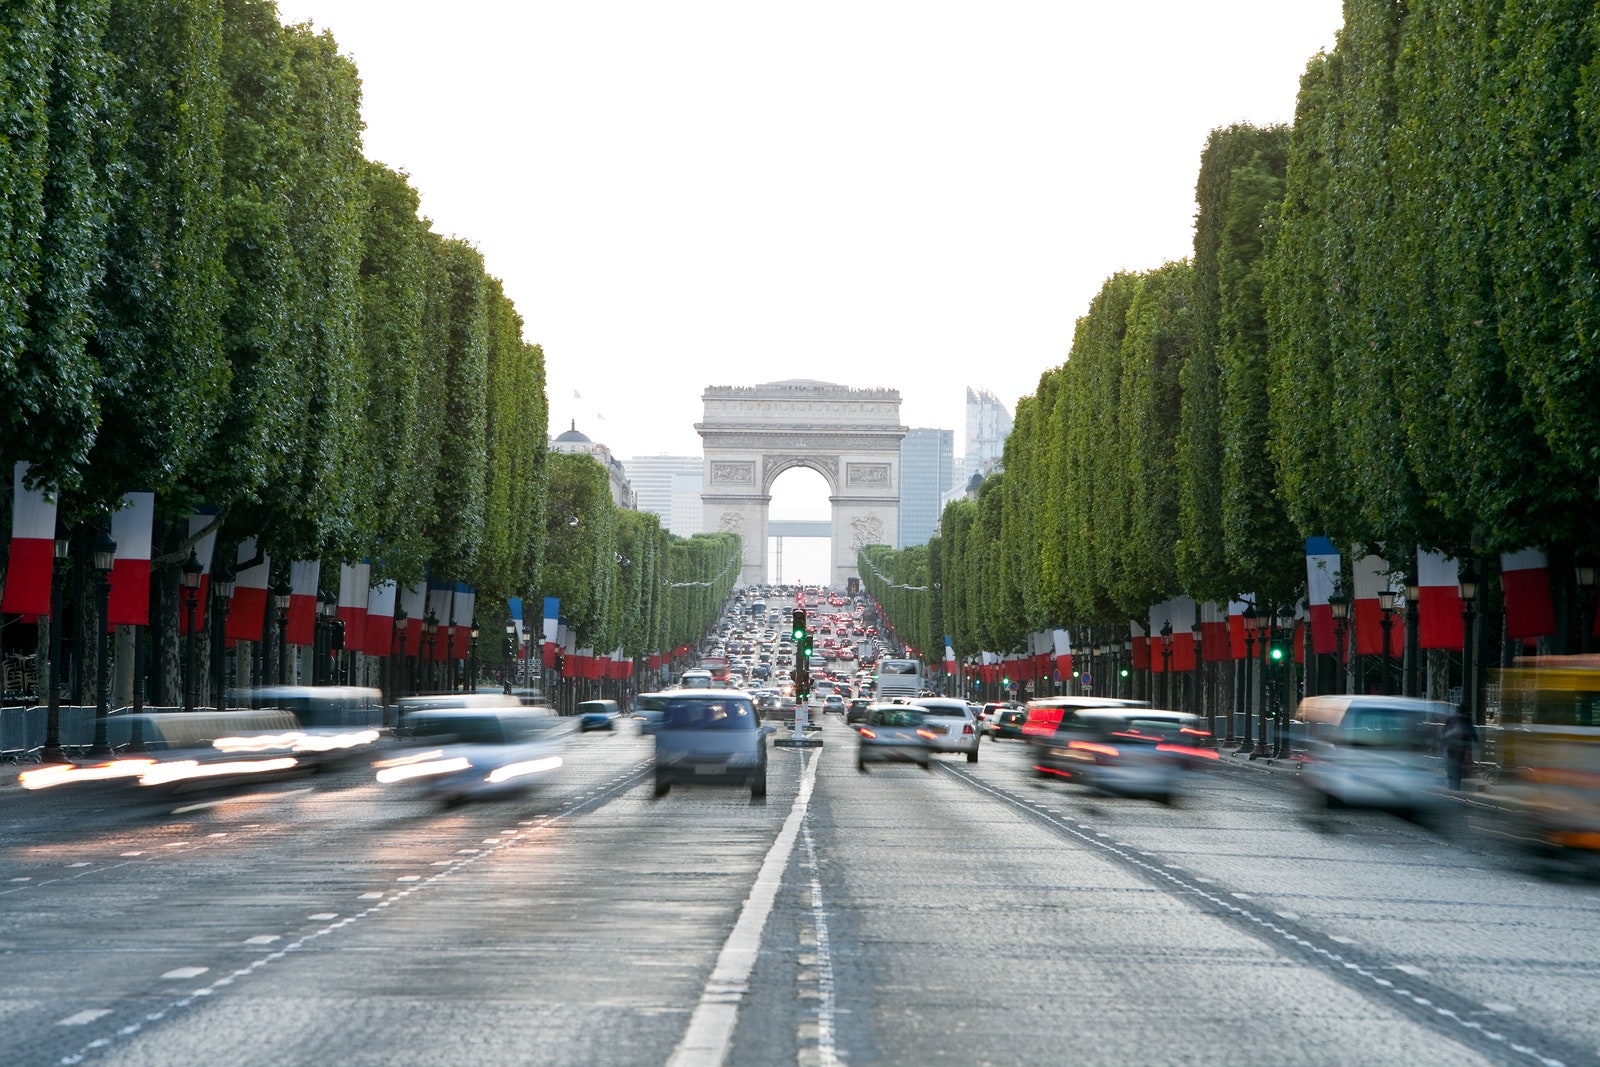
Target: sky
x=917 y=195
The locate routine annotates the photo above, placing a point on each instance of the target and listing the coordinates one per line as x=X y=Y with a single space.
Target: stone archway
x=754 y=433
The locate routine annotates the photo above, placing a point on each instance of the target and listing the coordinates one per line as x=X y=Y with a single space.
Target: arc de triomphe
x=851 y=437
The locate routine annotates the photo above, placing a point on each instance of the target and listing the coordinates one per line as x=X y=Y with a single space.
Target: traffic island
x=798 y=739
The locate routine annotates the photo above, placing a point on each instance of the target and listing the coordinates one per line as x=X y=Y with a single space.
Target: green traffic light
x=1277 y=654
x=1124 y=672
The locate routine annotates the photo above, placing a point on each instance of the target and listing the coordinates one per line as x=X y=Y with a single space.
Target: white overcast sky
x=918 y=195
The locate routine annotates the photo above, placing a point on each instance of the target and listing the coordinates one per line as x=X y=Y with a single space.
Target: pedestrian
x=1460 y=741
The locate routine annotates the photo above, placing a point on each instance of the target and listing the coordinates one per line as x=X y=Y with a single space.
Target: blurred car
x=464 y=753
x=856 y=711
x=833 y=702
x=1048 y=727
x=894 y=733
x=1373 y=751
x=953 y=723
x=598 y=715
x=706 y=736
x=1003 y=720
x=1131 y=751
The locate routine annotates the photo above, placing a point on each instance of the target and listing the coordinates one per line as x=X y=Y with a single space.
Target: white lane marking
x=1415 y=972
x=323 y=916
x=827 y=1053
x=81 y=863
x=1501 y=1009
x=370 y=896
x=705 y=1043
x=24 y=878
x=88 y=1015
x=133 y=853
x=263 y=939
x=186 y=972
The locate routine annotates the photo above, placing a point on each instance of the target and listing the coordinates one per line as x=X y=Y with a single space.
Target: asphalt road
x=964 y=915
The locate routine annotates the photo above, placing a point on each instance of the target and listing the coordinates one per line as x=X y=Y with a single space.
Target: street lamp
x=510 y=650
x=1166 y=663
x=58 y=583
x=430 y=628
x=105 y=556
x=1339 y=603
x=1584 y=571
x=1246 y=744
x=191 y=597
x=1387 y=604
x=400 y=632
x=322 y=671
x=1410 y=667
x=221 y=602
x=1263 y=617
x=280 y=600
x=1284 y=692
x=1199 y=666
x=1125 y=669
x=1467 y=581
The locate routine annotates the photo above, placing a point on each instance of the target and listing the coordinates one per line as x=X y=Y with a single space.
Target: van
x=695 y=679
x=1373 y=751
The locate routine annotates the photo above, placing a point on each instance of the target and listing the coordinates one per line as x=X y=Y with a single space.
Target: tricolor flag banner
x=1322 y=567
x=514 y=609
x=1141 y=647
x=1214 y=643
x=248 y=614
x=1236 y=614
x=1160 y=615
x=304 y=577
x=33 y=548
x=1043 y=653
x=585 y=662
x=131 y=527
x=1183 y=620
x=1061 y=645
x=439 y=601
x=204 y=549
x=414 y=602
x=552 y=628
x=1371 y=578
x=1525 y=577
x=569 y=652
x=1439 y=602
x=378 y=639
x=462 y=608
x=355 y=588
x=949 y=656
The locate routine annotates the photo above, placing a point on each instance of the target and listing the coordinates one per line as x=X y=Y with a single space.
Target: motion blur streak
x=45 y=777
x=296 y=741
x=423 y=770
x=516 y=770
x=185 y=770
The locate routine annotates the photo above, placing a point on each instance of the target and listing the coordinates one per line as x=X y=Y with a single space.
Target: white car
x=457 y=754
x=953 y=723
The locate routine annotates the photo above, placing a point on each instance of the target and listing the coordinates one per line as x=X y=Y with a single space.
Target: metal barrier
x=22 y=733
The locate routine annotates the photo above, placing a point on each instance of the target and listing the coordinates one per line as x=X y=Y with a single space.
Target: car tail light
x=1093 y=747
x=867 y=733
x=967 y=729
x=929 y=734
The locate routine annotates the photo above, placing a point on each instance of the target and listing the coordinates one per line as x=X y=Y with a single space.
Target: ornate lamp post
x=1166 y=663
x=1340 y=605
x=280 y=600
x=1584 y=571
x=1386 y=604
x=1467 y=581
x=221 y=601
x=510 y=650
x=400 y=634
x=191 y=599
x=58 y=583
x=1285 y=691
x=430 y=628
x=1263 y=617
x=1201 y=705
x=1246 y=744
x=1410 y=667
x=1126 y=666
x=105 y=555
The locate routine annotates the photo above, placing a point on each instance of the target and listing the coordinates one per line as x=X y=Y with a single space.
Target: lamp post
x=1201 y=705
x=1246 y=744
x=1166 y=663
x=1285 y=690
x=1339 y=604
x=1467 y=582
x=1263 y=617
x=1410 y=667
x=280 y=600
x=1126 y=665
x=400 y=632
x=1386 y=604
x=510 y=650
x=58 y=583
x=105 y=555
x=430 y=628
x=1584 y=571
x=221 y=602
x=327 y=612
x=191 y=598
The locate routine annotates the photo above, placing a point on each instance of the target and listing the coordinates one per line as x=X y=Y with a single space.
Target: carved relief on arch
x=827 y=466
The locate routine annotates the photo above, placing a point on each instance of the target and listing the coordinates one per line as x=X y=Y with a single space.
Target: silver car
x=894 y=733
x=706 y=736
x=953 y=723
x=458 y=754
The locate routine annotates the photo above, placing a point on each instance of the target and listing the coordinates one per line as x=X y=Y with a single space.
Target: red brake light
x=867 y=733
x=1090 y=746
x=929 y=734
x=967 y=729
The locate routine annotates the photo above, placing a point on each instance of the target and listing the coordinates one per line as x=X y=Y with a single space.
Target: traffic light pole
x=802 y=684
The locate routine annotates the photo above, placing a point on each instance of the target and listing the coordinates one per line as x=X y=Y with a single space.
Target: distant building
x=988 y=424
x=576 y=443
x=927 y=470
x=669 y=486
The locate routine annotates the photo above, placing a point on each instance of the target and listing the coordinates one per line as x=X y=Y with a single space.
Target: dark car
x=1003 y=720
x=706 y=736
x=895 y=733
x=856 y=711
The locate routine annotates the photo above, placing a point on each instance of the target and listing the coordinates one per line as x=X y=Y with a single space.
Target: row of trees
x=212 y=295
x=1386 y=335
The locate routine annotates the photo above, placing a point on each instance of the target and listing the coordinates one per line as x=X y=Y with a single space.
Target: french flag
x=248 y=615
x=949 y=656
x=204 y=549
x=1182 y=612
x=378 y=636
x=514 y=608
x=552 y=629
x=1215 y=646
x=303 y=578
x=1371 y=578
x=1525 y=577
x=1322 y=565
x=439 y=600
x=568 y=645
x=1062 y=640
x=1439 y=601
x=131 y=527
x=355 y=580
x=1160 y=615
x=414 y=602
x=461 y=615
x=33 y=548
x=1141 y=647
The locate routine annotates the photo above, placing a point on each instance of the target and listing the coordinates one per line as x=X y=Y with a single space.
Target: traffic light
x=1124 y=672
x=798 y=628
x=1277 y=653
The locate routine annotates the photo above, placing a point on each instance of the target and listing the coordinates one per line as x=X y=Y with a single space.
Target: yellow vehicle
x=1550 y=751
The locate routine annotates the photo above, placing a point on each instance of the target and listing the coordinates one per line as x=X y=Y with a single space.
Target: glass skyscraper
x=927 y=473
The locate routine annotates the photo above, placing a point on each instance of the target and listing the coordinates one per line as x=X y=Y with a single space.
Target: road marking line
x=705 y=1043
x=186 y=972
x=88 y=1015
x=323 y=916
x=827 y=1053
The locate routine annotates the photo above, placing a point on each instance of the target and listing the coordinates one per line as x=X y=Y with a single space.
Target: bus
x=1550 y=752
x=898 y=678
